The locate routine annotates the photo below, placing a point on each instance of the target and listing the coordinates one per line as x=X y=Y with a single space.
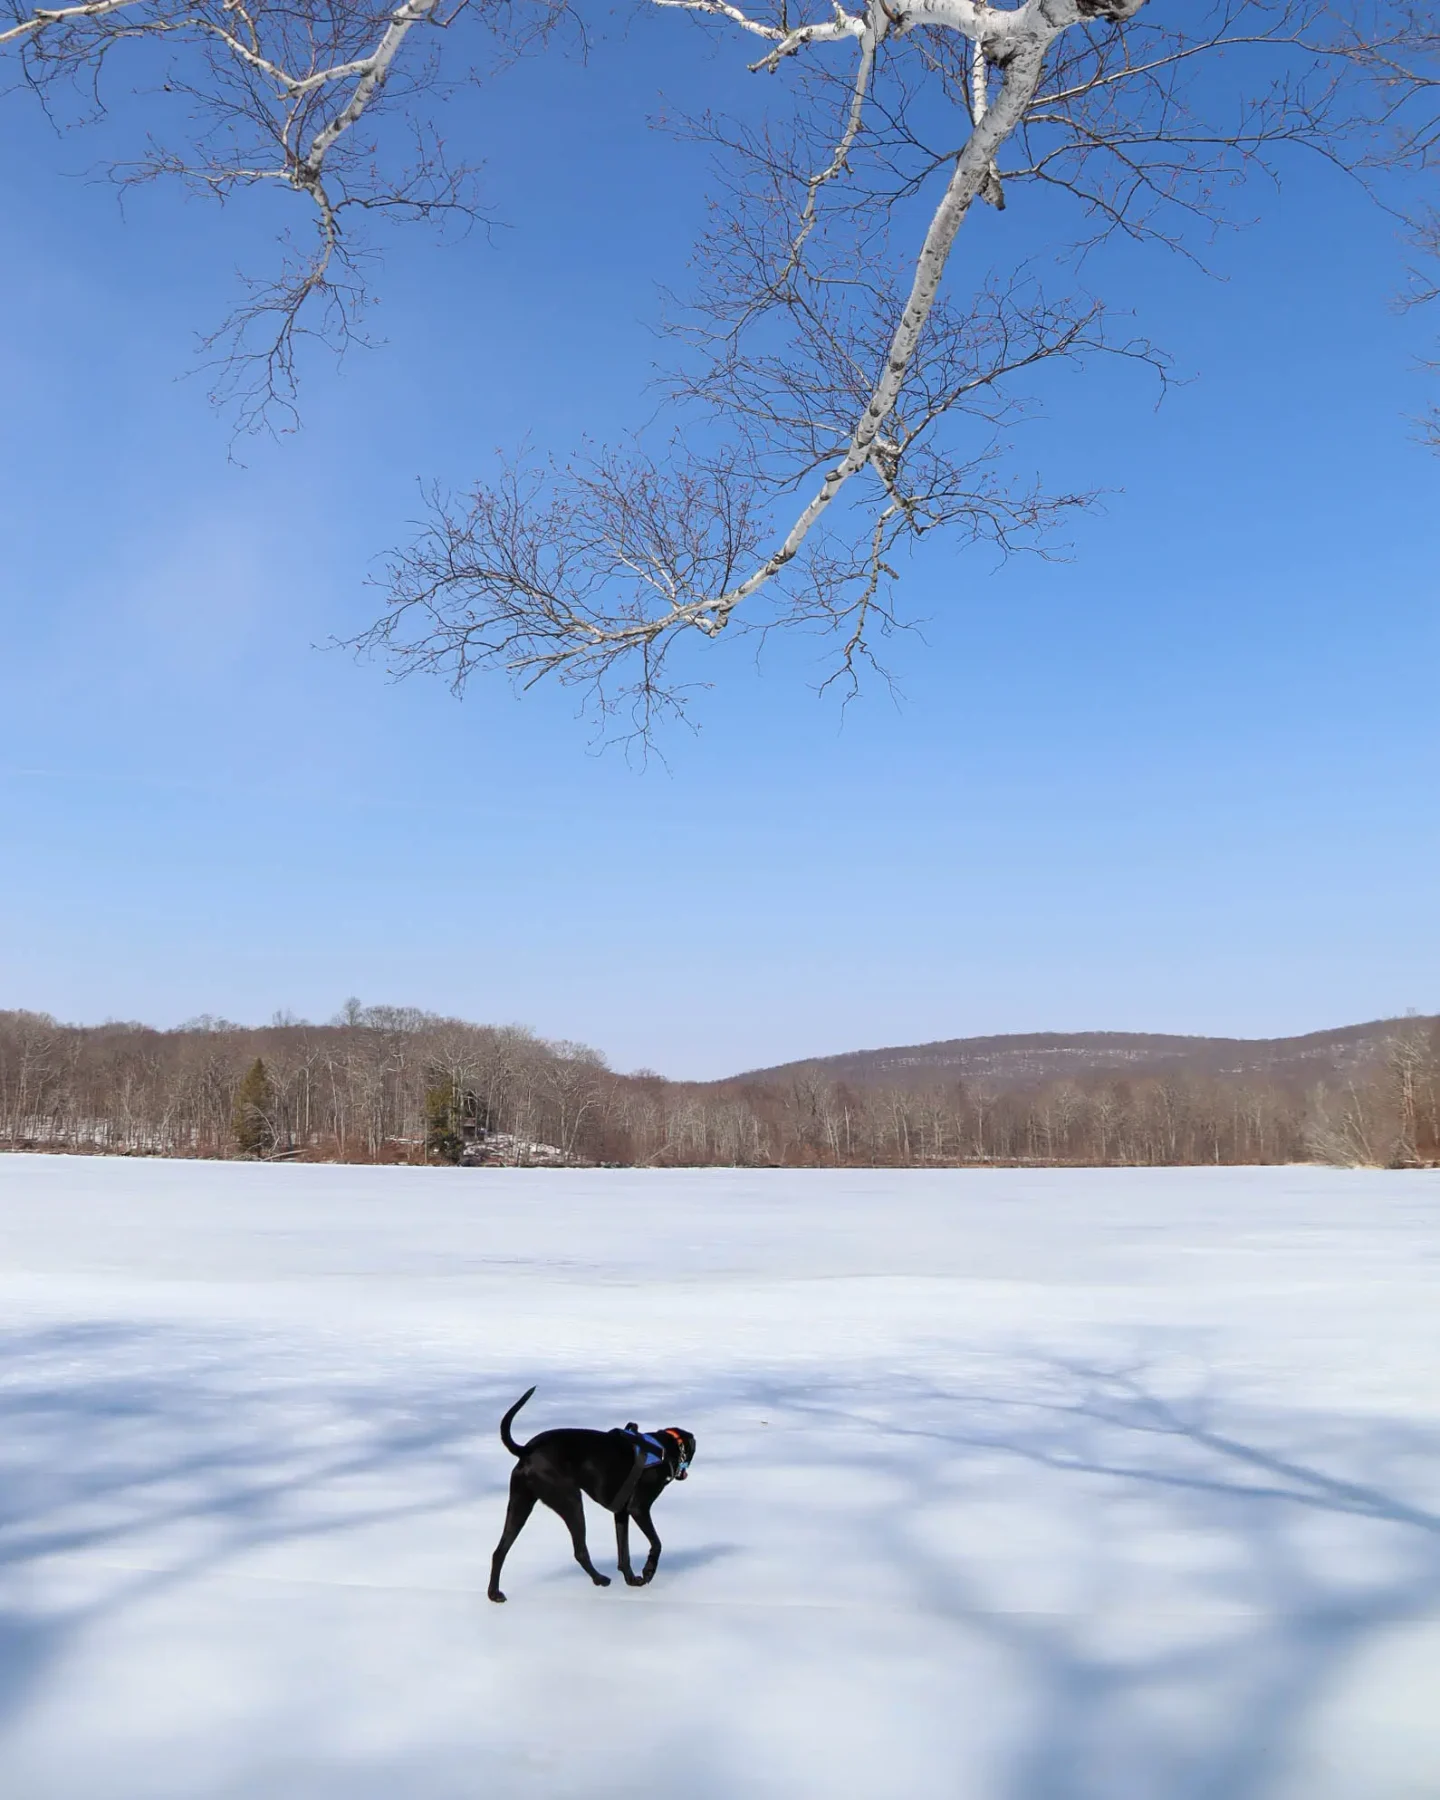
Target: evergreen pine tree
x=443 y=1106
x=253 y=1118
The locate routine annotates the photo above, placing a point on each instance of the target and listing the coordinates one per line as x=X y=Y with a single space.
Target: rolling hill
x=1027 y=1059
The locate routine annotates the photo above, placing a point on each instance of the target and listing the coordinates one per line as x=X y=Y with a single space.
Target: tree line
x=394 y=1084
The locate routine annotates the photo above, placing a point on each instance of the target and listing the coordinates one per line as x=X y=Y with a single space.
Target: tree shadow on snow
x=1255 y=1554
x=134 y=1461
x=1232 y=1564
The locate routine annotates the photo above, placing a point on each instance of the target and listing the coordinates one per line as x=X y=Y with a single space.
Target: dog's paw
x=601 y=1580
x=496 y=1596
x=634 y=1580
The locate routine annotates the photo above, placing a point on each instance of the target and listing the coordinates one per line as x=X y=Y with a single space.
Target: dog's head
x=679 y=1448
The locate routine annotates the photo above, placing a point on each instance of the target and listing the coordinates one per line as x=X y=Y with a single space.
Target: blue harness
x=653 y=1448
x=656 y=1455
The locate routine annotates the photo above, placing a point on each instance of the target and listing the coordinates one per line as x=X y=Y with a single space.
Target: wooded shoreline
x=395 y=1085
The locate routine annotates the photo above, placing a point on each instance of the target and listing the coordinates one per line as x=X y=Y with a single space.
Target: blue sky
x=1182 y=781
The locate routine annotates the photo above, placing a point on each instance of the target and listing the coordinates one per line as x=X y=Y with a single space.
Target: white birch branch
x=283 y=79
x=1027 y=33
x=373 y=71
x=45 y=17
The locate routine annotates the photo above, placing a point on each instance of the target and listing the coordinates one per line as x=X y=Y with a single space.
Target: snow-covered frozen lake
x=1010 y=1486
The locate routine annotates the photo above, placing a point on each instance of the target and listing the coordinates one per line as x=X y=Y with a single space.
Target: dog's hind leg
x=522 y=1504
x=640 y=1513
x=622 y=1550
x=571 y=1509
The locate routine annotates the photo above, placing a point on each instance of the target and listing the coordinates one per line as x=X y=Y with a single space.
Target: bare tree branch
x=1394 y=46
x=287 y=93
x=854 y=407
x=844 y=384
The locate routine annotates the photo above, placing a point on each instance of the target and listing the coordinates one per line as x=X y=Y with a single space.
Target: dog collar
x=670 y=1432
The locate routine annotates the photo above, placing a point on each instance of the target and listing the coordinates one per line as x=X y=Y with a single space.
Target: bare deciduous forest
x=393 y=1084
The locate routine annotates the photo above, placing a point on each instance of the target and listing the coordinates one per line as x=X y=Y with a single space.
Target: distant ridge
x=1025 y=1059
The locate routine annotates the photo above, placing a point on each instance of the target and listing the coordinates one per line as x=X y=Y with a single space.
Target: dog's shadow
x=673 y=1562
x=679 y=1562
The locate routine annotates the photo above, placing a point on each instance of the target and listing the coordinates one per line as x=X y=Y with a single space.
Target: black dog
x=623 y=1471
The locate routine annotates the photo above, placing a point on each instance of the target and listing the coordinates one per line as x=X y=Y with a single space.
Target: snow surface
x=1020 y=1486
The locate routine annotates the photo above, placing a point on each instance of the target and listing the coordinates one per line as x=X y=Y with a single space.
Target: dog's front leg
x=640 y=1512
x=622 y=1550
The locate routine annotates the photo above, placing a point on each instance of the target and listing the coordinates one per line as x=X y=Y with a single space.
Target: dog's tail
x=505 y=1437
